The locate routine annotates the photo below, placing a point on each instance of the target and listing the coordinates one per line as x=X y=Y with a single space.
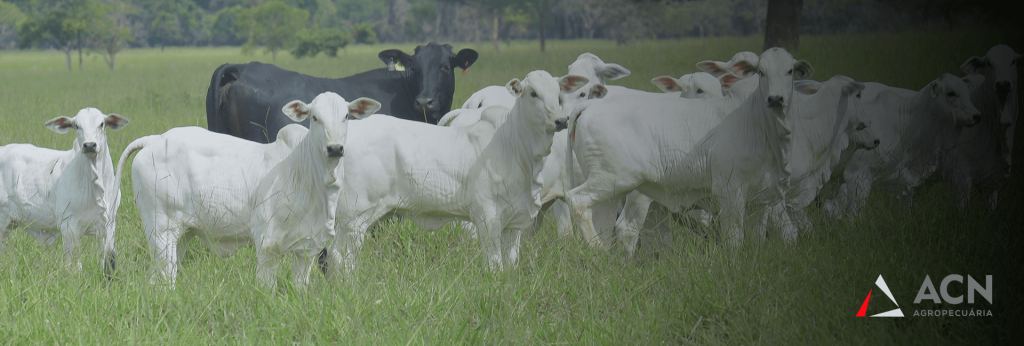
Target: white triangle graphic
x=885 y=289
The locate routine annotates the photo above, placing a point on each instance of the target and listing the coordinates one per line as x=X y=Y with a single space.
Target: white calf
x=981 y=158
x=67 y=193
x=913 y=132
x=190 y=182
x=433 y=174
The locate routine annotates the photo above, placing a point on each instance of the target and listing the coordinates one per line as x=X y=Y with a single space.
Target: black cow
x=245 y=100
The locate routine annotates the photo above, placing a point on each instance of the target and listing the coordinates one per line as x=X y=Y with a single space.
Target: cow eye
x=445 y=68
x=533 y=93
x=583 y=94
x=102 y=124
x=315 y=118
x=759 y=73
x=951 y=94
x=858 y=94
x=700 y=91
x=790 y=73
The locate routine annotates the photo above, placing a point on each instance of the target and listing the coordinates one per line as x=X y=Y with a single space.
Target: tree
x=312 y=42
x=271 y=25
x=60 y=25
x=593 y=13
x=10 y=19
x=782 y=28
x=363 y=33
x=112 y=30
x=174 y=22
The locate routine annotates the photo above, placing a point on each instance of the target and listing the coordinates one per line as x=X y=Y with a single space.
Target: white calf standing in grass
x=981 y=158
x=190 y=182
x=433 y=174
x=296 y=202
x=685 y=161
x=72 y=192
x=913 y=132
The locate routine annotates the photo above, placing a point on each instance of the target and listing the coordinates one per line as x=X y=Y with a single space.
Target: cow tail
x=215 y=120
x=134 y=146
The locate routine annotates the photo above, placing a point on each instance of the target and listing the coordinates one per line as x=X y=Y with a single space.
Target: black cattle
x=245 y=100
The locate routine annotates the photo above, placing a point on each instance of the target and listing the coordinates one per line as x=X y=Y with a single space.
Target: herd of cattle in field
x=748 y=143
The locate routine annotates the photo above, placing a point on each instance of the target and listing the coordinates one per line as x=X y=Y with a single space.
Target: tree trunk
x=495 y=37
x=79 y=52
x=111 y=62
x=67 y=57
x=782 y=27
x=540 y=27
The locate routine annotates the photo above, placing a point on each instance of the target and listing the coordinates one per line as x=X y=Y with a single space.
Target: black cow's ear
x=393 y=56
x=465 y=58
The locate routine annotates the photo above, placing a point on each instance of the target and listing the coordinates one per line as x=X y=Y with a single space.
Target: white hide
x=494 y=95
x=434 y=174
x=981 y=158
x=721 y=68
x=696 y=85
x=913 y=132
x=68 y=193
x=682 y=161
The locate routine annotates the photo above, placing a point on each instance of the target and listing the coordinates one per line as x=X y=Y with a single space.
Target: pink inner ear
x=728 y=80
x=362 y=106
x=295 y=108
x=64 y=122
x=571 y=82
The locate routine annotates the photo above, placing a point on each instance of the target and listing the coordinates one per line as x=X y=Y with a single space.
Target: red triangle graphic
x=864 y=307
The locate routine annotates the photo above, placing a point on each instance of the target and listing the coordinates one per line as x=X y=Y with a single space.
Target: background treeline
x=308 y=27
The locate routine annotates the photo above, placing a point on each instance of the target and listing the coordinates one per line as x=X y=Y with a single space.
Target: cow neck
x=990 y=131
x=923 y=123
x=98 y=172
x=776 y=132
x=308 y=167
x=520 y=143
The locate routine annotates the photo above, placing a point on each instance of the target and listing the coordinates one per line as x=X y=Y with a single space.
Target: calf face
x=539 y=93
x=860 y=124
x=999 y=66
x=432 y=66
x=698 y=85
x=597 y=71
x=953 y=95
x=90 y=128
x=328 y=125
x=777 y=69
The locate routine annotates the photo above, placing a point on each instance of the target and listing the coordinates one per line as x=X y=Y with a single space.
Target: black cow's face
x=432 y=66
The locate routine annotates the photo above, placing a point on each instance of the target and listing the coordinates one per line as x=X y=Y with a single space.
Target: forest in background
x=309 y=27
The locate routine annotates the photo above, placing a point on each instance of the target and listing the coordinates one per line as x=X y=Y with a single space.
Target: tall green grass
x=417 y=287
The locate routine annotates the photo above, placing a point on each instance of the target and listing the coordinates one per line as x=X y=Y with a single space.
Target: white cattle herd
x=749 y=142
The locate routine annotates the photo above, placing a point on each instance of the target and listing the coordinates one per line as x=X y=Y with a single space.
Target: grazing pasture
x=417 y=287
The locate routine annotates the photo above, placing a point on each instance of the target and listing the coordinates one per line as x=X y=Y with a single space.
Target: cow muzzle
x=1003 y=90
x=425 y=104
x=561 y=124
x=89 y=147
x=776 y=101
x=335 y=151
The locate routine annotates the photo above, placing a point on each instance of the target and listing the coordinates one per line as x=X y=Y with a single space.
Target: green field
x=417 y=287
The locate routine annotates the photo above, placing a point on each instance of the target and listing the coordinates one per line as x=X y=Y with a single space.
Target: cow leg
x=631 y=220
x=348 y=237
x=109 y=260
x=302 y=267
x=72 y=235
x=469 y=229
x=961 y=189
x=733 y=211
x=490 y=232
x=989 y=198
x=164 y=246
x=4 y=222
x=510 y=245
x=583 y=198
x=801 y=221
x=266 y=268
x=563 y=218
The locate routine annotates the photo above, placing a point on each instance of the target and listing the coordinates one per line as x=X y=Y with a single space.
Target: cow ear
x=715 y=68
x=115 y=121
x=61 y=124
x=465 y=58
x=395 y=59
x=666 y=84
x=515 y=87
x=598 y=91
x=362 y=107
x=728 y=80
x=974 y=65
x=802 y=69
x=935 y=88
x=806 y=87
x=612 y=71
x=571 y=83
x=296 y=110
x=973 y=81
x=743 y=68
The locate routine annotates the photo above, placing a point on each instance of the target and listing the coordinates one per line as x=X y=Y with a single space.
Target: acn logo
x=885 y=289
